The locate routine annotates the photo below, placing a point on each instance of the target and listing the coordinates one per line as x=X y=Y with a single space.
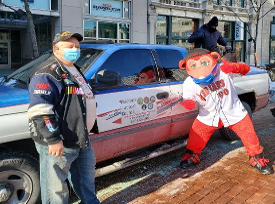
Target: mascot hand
x=234 y=67
x=188 y=104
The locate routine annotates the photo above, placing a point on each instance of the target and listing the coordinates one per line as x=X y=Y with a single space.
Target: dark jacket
x=203 y=38
x=57 y=109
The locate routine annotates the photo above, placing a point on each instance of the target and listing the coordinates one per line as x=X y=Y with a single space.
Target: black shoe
x=189 y=159
x=260 y=163
x=273 y=111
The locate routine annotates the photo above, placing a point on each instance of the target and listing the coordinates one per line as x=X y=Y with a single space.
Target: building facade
x=134 y=21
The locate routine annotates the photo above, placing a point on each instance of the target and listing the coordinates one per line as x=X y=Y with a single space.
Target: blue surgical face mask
x=71 y=54
x=206 y=80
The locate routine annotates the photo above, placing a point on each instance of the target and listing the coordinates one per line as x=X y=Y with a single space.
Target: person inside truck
x=210 y=85
x=62 y=109
x=146 y=75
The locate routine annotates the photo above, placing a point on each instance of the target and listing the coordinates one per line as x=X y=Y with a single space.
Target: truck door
x=173 y=76
x=131 y=103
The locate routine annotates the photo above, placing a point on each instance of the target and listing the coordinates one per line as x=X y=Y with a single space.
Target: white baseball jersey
x=218 y=100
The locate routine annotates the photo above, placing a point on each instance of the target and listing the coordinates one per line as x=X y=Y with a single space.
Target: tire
x=229 y=134
x=19 y=180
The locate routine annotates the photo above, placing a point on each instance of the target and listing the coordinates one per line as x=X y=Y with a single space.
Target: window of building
x=233 y=33
x=182 y=28
x=124 y=32
x=162 y=30
x=217 y=2
x=107 y=30
x=90 y=29
x=175 y=30
x=54 y=5
x=272 y=42
x=118 y=32
x=15 y=46
x=43 y=37
x=240 y=3
x=229 y=2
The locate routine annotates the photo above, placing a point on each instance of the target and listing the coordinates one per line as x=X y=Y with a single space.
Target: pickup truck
x=137 y=88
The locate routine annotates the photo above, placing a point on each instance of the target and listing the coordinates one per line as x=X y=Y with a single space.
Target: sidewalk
x=229 y=180
x=223 y=176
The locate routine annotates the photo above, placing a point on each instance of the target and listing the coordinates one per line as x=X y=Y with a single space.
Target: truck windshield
x=20 y=77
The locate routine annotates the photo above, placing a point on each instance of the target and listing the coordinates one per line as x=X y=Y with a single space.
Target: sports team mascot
x=210 y=85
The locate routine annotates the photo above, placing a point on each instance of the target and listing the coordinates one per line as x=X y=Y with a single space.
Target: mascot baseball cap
x=195 y=52
x=65 y=35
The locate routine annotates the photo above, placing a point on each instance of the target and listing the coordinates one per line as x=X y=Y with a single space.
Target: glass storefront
x=176 y=30
x=107 y=20
x=118 y=32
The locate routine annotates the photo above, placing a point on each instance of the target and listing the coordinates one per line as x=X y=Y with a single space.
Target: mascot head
x=201 y=65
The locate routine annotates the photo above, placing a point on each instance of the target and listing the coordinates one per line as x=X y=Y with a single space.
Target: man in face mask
x=62 y=110
x=207 y=36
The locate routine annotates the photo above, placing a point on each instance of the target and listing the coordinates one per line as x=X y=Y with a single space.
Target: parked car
x=137 y=88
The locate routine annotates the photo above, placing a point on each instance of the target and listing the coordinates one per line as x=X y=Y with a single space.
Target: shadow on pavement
x=147 y=177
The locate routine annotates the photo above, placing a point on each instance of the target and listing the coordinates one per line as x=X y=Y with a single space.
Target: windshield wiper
x=19 y=80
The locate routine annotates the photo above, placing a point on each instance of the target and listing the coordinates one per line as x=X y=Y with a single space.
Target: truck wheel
x=229 y=134
x=19 y=180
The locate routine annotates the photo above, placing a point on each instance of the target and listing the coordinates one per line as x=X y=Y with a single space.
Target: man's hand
x=56 y=149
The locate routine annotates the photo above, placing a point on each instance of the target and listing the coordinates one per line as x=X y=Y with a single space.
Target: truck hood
x=12 y=99
x=255 y=70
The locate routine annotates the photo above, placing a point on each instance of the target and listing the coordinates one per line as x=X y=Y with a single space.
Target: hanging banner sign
x=107 y=8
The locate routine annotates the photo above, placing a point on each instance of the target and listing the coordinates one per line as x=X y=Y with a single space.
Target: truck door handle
x=162 y=95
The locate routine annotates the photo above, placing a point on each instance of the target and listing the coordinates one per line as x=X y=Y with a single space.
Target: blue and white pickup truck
x=137 y=88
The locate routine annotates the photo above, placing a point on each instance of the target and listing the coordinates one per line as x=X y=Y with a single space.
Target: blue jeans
x=78 y=165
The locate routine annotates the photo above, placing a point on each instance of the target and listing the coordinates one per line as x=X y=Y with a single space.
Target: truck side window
x=126 y=68
x=169 y=68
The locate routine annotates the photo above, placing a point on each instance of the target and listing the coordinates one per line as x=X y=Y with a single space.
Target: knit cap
x=214 y=21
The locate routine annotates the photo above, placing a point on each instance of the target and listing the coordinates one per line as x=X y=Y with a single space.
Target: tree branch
x=8 y=6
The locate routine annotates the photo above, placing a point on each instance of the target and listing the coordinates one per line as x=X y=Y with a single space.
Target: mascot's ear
x=182 y=64
x=215 y=55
